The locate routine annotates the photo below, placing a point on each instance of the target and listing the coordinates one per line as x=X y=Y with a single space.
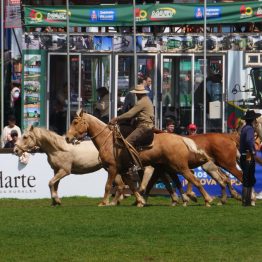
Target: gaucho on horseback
x=142 y=116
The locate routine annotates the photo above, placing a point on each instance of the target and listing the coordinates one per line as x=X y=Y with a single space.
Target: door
x=63 y=99
x=177 y=86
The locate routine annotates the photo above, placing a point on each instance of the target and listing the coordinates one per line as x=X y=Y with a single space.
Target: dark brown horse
x=178 y=154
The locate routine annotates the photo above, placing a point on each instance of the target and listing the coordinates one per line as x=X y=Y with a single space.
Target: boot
x=246 y=196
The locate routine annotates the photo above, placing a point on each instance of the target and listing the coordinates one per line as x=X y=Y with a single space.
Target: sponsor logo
x=211 y=12
x=36 y=16
x=163 y=13
x=106 y=15
x=16 y=182
x=259 y=12
x=141 y=15
x=246 y=11
x=56 y=16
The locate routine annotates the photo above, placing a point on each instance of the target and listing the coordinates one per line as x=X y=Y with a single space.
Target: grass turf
x=31 y=230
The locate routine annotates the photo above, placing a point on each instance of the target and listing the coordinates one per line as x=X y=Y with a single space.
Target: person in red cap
x=192 y=129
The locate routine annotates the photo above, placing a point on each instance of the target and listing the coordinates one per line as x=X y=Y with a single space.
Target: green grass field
x=31 y=230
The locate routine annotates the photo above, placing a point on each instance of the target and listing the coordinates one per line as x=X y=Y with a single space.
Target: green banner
x=150 y=14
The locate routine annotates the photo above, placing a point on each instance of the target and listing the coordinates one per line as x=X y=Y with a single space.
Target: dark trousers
x=138 y=136
x=248 y=168
x=249 y=180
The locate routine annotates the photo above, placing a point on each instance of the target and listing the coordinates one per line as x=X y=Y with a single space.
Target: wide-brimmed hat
x=139 y=89
x=251 y=114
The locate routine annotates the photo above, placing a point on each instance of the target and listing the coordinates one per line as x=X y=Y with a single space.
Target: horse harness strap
x=131 y=150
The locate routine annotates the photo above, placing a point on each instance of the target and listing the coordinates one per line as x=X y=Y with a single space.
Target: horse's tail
x=192 y=147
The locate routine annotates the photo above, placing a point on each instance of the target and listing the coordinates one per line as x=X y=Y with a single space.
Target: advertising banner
x=150 y=14
x=33 y=88
x=31 y=181
x=12 y=14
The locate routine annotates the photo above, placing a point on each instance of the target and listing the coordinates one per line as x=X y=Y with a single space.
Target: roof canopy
x=149 y=14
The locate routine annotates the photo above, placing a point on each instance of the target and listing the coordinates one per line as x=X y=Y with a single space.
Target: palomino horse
x=63 y=158
x=168 y=149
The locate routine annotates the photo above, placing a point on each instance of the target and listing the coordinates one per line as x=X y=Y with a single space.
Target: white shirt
x=6 y=135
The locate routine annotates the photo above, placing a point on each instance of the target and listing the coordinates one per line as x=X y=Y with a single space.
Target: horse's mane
x=42 y=134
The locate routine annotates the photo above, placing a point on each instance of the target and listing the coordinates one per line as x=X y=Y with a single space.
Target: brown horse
x=169 y=150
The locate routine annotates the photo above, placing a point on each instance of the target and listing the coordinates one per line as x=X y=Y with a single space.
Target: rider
x=143 y=114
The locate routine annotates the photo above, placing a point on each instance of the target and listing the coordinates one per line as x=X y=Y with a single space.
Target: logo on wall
x=56 y=16
x=214 y=12
x=259 y=12
x=107 y=15
x=141 y=15
x=245 y=11
x=36 y=16
x=163 y=13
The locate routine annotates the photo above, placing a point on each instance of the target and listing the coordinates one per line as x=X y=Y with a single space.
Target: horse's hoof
x=102 y=204
x=185 y=204
x=192 y=197
x=173 y=204
x=208 y=205
x=219 y=204
x=185 y=198
x=140 y=204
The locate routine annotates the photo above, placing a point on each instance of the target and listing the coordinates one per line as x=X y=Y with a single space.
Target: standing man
x=247 y=151
x=192 y=129
x=149 y=88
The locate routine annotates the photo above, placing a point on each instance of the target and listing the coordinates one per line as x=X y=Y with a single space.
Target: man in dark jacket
x=247 y=151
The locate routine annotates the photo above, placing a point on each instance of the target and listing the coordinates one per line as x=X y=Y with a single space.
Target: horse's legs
x=188 y=174
x=169 y=188
x=216 y=174
x=178 y=185
x=189 y=191
x=149 y=170
x=53 y=185
x=110 y=178
x=139 y=199
x=119 y=192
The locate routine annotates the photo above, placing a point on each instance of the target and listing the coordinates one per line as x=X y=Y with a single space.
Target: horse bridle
x=29 y=150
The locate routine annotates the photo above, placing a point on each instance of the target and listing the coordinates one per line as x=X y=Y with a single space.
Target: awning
x=150 y=14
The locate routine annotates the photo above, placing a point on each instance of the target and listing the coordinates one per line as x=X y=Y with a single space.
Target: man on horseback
x=142 y=115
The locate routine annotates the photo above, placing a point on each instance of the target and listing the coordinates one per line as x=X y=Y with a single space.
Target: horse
x=214 y=144
x=168 y=149
x=63 y=158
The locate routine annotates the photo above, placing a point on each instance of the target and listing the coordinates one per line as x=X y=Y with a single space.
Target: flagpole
x=2 y=64
x=134 y=35
x=68 y=120
x=205 y=68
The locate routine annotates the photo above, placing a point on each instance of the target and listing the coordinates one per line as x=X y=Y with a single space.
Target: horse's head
x=26 y=143
x=78 y=127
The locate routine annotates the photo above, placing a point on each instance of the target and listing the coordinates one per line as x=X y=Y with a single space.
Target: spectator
x=14 y=137
x=102 y=106
x=6 y=134
x=149 y=88
x=192 y=129
x=170 y=125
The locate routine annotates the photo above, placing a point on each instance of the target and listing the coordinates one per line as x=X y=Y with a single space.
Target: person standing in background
x=6 y=134
x=103 y=104
x=11 y=143
x=192 y=129
x=247 y=153
x=149 y=88
x=170 y=125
